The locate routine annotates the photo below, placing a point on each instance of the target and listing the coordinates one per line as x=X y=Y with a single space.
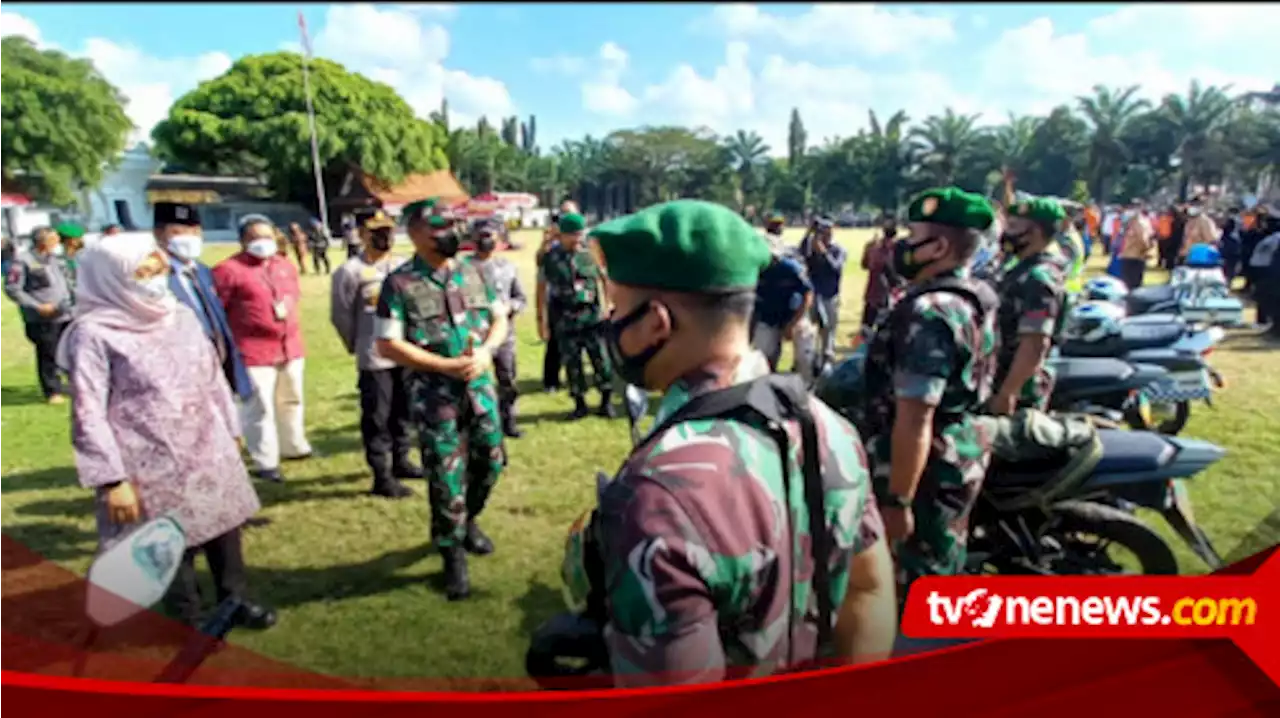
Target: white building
x=122 y=197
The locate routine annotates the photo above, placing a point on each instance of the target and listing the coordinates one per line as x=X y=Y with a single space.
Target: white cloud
x=1200 y=23
x=839 y=29
x=150 y=84
x=440 y=10
x=603 y=94
x=395 y=46
x=559 y=65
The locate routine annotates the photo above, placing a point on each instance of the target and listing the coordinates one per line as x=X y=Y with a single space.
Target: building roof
x=440 y=183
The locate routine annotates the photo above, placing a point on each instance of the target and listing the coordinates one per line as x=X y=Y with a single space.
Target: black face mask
x=486 y=243
x=447 y=244
x=380 y=240
x=904 y=262
x=631 y=368
x=1013 y=243
x=890 y=231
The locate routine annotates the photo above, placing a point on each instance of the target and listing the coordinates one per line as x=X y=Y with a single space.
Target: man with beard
x=384 y=403
x=1031 y=297
x=503 y=278
x=438 y=319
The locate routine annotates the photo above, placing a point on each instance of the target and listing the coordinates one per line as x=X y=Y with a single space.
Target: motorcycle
x=1112 y=389
x=1058 y=513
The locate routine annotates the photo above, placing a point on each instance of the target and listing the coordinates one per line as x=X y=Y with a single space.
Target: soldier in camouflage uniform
x=502 y=276
x=439 y=319
x=929 y=369
x=705 y=577
x=575 y=280
x=1031 y=303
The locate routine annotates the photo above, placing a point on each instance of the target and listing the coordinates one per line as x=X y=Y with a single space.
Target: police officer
x=929 y=370
x=439 y=319
x=38 y=284
x=697 y=537
x=574 y=279
x=384 y=403
x=503 y=278
x=1031 y=300
x=784 y=297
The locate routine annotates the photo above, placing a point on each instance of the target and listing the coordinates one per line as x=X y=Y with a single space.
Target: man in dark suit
x=177 y=231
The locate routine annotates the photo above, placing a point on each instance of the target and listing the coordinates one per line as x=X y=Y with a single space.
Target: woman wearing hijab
x=153 y=422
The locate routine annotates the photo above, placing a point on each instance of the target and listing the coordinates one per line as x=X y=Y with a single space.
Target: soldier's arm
x=15 y=286
x=867 y=621
x=1041 y=303
x=388 y=332
x=661 y=626
x=927 y=353
x=342 y=303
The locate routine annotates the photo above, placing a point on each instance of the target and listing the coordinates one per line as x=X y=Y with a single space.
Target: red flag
x=306 y=41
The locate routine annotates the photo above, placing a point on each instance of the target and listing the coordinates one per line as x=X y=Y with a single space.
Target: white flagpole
x=311 y=120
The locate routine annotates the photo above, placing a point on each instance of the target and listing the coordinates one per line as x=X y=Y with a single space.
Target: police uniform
x=573 y=279
x=1031 y=302
x=35 y=280
x=384 y=402
x=939 y=349
x=705 y=556
x=448 y=310
x=504 y=279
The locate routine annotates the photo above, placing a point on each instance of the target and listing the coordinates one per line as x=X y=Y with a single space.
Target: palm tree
x=1108 y=112
x=1011 y=143
x=891 y=156
x=945 y=142
x=748 y=153
x=1197 y=120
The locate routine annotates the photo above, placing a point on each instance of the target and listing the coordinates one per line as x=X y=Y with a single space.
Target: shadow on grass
x=1265 y=535
x=21 y=396
x=538 y=604
x=284 y=588
x=333 y=441
x=49 y=540
x=42 y=480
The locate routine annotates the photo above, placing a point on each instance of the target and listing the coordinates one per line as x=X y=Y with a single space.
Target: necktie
x=219 y=342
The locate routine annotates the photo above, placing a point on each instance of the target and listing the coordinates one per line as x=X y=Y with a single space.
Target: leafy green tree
x=797 y=139
x=1109 y=113
x=252 y=121
x=63 y=125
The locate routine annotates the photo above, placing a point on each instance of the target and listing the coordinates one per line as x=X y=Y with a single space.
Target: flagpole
x=311 y=121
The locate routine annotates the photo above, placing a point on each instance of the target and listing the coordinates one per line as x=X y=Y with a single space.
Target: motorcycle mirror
x=134 y=574
x=637 y=401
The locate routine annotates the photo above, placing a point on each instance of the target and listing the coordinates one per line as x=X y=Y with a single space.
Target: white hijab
x=106 y=294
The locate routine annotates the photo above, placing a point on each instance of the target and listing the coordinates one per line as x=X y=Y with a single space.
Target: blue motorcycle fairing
x=1130 y=457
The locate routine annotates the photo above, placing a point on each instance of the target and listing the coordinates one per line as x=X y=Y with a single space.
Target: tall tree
x=1109 y=112
x=946 y=143
x=797 y=139
x=892 y=158
x=63 y=124
x=511 y=131
x=748 y=154
x=529 y=135
x=1197 y=120
x=252 y=121
x=1057 y=154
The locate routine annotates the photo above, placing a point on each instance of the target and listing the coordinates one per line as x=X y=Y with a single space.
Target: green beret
x=951 y=207
x=70 y=230
x=416 y=210
x=1041 y=210
x=775 y=218
x=570 y=223
x=684 y=246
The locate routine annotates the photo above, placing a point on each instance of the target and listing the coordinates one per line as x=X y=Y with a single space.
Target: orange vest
x=1165 y=227
x=1092 y=219
x=1249 y=220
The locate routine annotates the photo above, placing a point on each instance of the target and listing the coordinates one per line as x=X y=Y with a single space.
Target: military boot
x=457 y=582
x=390 y=488
x=580 y=408
x=476 y=541
x=606 y=404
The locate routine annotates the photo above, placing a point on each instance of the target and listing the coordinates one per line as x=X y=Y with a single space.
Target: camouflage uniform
x=573 y=280
x=1031 y=299
x=443 y=311
x=940 y=355
x=697 y=550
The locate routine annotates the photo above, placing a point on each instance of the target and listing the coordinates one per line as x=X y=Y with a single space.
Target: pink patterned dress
x=154 y=409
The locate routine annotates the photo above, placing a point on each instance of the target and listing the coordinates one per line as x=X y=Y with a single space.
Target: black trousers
x=44 y=337
x=1132 y=272
x=504 y=366
x=320 y=257
x=551 y=361
x=226 y=563
x=384 y=420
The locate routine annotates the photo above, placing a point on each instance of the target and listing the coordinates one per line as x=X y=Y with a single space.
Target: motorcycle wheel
x=1085 y=530
x=1170 y=423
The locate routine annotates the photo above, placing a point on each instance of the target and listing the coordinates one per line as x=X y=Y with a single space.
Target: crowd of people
x=176 y=367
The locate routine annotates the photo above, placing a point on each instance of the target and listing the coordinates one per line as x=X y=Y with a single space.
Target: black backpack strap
x=779 y=398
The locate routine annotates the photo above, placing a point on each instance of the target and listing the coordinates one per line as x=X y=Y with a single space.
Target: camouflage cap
x=1041 y=210
x=951 y=207
x=684 y=246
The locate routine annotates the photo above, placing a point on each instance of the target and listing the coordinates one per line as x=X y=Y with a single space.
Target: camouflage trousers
x=462 y=458
x=574 y=341
x=943 y=503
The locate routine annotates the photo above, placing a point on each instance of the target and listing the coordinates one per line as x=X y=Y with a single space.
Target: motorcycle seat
x=1089 y=375
x=1171 y=359
x=1131 y=452
x=1142 y=299
x=1144 y=335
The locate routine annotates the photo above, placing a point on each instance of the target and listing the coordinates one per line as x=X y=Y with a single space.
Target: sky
x=589 y=69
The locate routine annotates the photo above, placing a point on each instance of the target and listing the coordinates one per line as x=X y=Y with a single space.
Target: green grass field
x=352 y=576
